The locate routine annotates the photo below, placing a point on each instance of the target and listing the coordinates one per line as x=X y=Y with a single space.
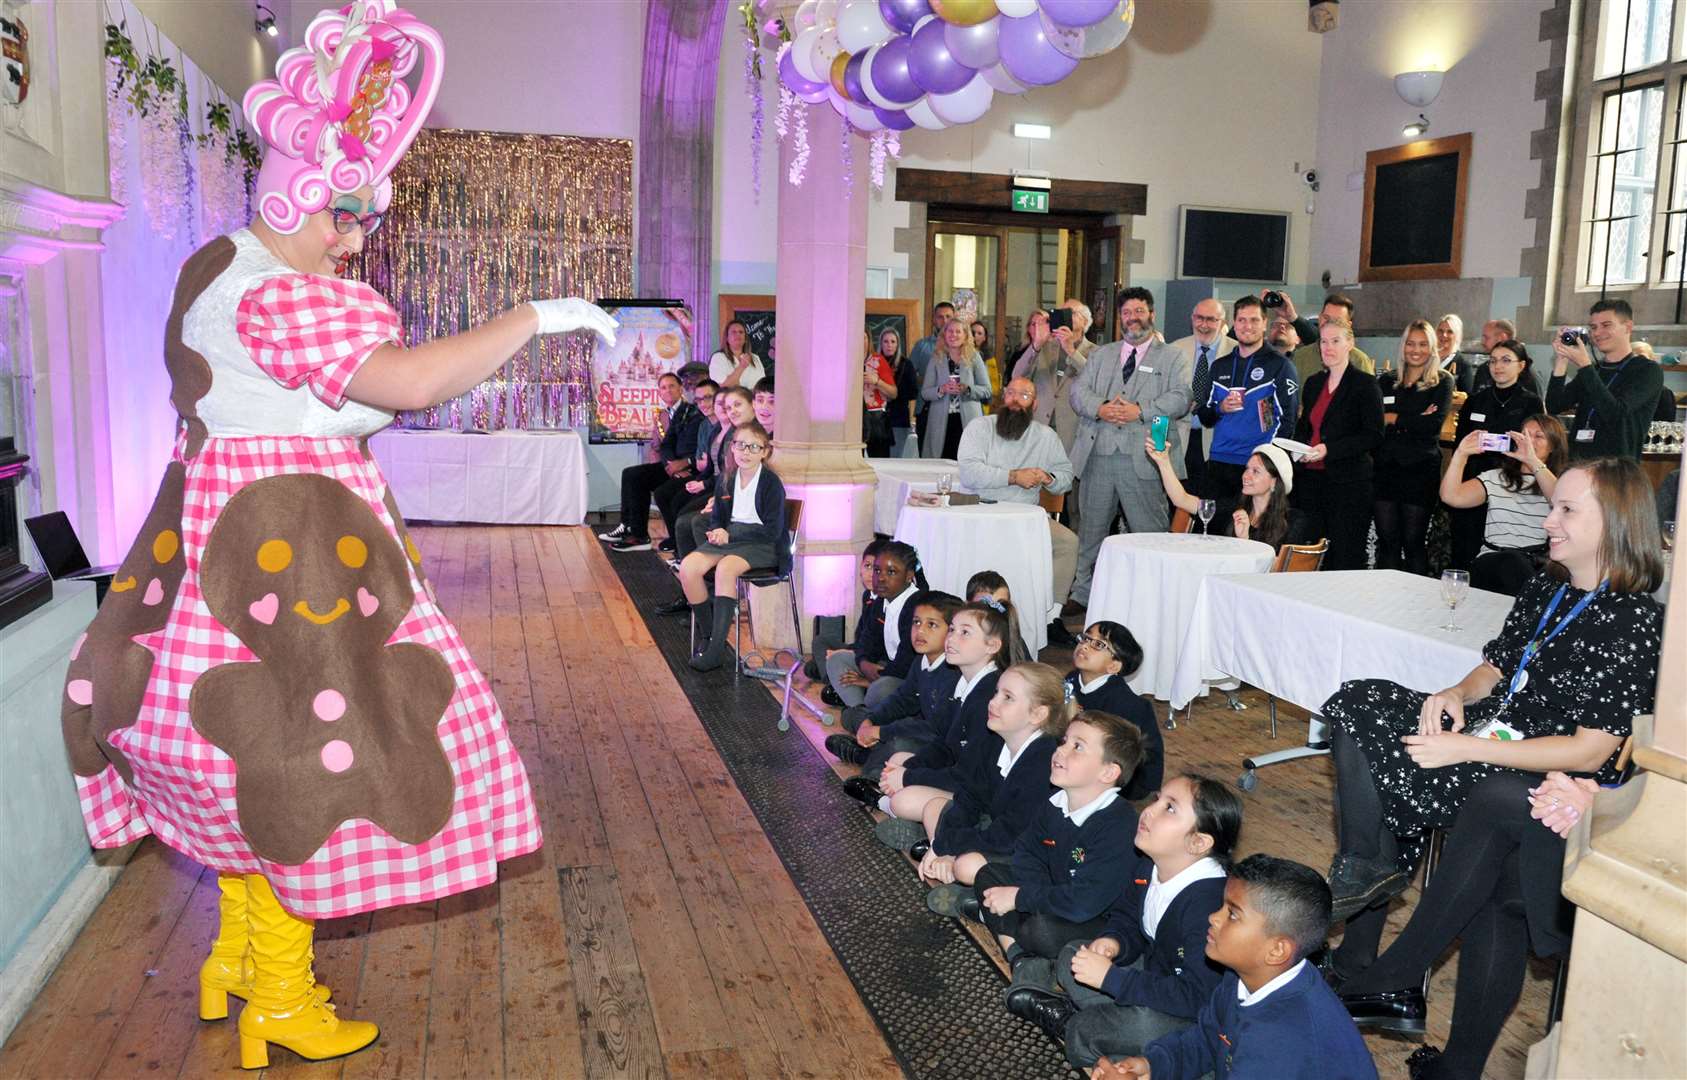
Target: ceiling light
x=1417 y=128
x=265 y=22
x=1033 y=131
x=1418 y=89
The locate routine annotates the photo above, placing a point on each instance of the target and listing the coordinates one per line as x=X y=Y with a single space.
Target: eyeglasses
x=345 y=219
x=749 y=447
x=1096 y=643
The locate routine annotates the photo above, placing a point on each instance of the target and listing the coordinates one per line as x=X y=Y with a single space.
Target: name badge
x=1389 y=400
x=1146 y=370
x=1584 y=435
x=1477 y=418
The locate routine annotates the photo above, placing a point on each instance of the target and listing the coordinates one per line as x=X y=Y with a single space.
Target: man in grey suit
x=1124 y=386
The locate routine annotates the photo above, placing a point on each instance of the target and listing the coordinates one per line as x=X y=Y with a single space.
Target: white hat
x=1280 y=458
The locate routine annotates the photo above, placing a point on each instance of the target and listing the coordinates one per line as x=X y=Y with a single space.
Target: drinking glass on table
x=1205 y=512
x=1454 y=584
x=945 y=484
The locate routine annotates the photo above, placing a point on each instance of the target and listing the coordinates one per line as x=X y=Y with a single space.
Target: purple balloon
x=891 y=76
x=975 y=46
x=1028 y=56
x=893 y=119
x=1079 y=13
x=903 y=15
x=934 y=68
x=852 y=78
x=792 y=78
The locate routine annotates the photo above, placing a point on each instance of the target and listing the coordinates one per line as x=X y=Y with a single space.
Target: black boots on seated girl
x=712 y=619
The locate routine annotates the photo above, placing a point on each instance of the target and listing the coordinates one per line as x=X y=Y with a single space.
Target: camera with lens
x=1573 y=334
x=1272 y=299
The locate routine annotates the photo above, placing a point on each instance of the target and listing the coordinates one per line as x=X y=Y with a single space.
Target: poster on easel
x=654 y=339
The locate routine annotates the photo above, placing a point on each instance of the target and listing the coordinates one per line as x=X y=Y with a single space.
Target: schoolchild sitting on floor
x=828 y=642
x=1272 y=1015
x=909 y=719
x=1072 y=862
x=1108 y=655
x=871 y=669
x=1147 y=974
x=987 y=584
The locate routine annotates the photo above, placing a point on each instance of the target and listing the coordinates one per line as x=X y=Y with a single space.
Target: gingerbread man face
x=331 y=724
x=108 y=669
x=298 y=566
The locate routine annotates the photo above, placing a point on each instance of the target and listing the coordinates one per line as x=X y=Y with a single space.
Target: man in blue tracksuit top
x=1252 y=401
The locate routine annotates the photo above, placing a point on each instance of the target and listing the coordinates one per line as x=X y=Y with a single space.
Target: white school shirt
x=963 y=689
x=1268 y=989
x=1007 y=759
x=1082 y=813
x=1092 y=687
x=893 y=621
x=929 y=664
x=744 y=499
x=1162 y=893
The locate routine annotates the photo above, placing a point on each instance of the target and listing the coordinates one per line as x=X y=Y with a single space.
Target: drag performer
x=270 y=688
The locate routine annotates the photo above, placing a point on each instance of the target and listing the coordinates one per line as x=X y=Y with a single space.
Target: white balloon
x=873 y=94
x=826 y=46
x=1098 y=39
x=965 y=105
x=804 y=17
x=1016 y=9
x=826 y=13
x=920 y=113
x=860 y=26
x=861 y=118
x=1000 y=81
x=803 y=58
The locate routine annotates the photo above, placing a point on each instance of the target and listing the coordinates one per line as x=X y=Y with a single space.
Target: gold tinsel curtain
x=481 y=221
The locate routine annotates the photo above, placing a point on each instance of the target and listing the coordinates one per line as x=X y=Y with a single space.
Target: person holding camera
x=1613 y=394
x=1308 y=359
x=1502 y=405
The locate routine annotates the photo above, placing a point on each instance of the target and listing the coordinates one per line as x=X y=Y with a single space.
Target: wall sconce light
x=265 y=22
x=1417 y=128
x=1418 y=89
x=1033 y=131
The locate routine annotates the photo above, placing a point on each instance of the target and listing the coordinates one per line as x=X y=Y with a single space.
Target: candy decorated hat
x=338 y=116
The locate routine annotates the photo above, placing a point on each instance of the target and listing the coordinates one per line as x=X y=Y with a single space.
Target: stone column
x=821 y=301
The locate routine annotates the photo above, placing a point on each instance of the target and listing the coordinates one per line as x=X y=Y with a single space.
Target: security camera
x=1310 y=178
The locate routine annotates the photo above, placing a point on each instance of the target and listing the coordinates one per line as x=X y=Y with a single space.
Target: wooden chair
x=1182 y=520
x=1299 y=558
x=1051 y=503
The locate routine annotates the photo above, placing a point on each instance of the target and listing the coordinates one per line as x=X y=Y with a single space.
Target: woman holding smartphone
x=1517 y=496
x=1498 y=407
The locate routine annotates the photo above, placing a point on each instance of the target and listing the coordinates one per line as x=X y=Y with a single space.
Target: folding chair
x=1291 y=559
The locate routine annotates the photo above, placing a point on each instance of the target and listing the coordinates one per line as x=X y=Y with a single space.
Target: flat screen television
x=1233 y=245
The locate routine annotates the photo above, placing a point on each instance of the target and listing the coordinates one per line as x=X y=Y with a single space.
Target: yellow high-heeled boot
x=228 y=970
x=284 y=1008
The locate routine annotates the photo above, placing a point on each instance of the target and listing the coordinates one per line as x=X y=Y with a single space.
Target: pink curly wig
x=338 y=116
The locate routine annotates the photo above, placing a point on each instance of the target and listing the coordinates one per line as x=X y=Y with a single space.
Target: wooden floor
x=655 y=934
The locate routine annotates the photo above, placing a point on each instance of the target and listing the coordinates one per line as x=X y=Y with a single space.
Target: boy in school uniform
x=913 y=717
x=1272 y=1015
x=1072 y=862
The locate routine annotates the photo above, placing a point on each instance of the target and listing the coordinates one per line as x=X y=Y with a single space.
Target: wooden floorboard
x=655 y=934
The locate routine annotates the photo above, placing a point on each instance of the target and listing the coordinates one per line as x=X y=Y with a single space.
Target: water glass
x=1454 y=584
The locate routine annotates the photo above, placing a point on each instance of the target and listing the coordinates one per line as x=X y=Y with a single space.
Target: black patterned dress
x=1600 y=672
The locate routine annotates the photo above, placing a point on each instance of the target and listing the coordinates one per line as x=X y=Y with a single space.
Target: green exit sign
x=1028 y=201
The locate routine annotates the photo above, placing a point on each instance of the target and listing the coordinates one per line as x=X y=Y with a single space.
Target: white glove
x=572 y=313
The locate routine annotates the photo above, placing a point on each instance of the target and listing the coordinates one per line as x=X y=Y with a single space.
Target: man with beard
x=1251 y=400
x=1010 y=456
x=1205 y=347
x=1125 y=386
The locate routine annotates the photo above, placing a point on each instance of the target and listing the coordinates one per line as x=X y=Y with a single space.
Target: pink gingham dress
x=282 y=347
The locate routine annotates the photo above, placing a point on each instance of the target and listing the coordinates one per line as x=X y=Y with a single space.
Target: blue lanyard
x=1520 y=678
x=1587 y=421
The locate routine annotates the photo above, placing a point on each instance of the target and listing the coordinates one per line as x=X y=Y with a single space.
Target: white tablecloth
x=956 y=542
x=1148 y=582
x=899 y=476
x=505 y=478
x=1300 y=636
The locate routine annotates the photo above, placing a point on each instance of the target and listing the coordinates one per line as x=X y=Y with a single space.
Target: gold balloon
x=839 y=62
x=964 y=12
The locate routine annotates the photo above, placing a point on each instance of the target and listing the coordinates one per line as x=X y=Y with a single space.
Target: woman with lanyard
x=1576 y=660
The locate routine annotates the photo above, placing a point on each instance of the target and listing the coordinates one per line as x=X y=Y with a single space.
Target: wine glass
x=945 y=484
x=1205 y=512
x=1454 y=584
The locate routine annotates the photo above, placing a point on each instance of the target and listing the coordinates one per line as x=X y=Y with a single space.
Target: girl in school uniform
x=1106 y=656
x=869 y=672
x=747 y=532
x=989 y=585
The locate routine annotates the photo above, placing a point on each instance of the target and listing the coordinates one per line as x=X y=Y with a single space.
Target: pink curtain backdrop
x=676 y=171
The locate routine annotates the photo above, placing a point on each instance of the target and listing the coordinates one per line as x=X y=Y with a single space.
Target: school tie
x=1203 y=376
x=1130 y=368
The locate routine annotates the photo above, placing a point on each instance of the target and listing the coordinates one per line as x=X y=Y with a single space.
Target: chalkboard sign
x=1414 y=210
x=757 y=314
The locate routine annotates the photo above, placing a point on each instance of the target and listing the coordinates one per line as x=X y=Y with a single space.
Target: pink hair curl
x=338 y=115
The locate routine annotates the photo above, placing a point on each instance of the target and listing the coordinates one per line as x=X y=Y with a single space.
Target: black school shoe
x=1357 y=884
x=918 y=849
x=1050 y=1012
x=1399 y=1011
x=677 y=607
x=1422 y=1064
x=862 y=790
x=846 y=749
x=1059 y=635
x=830 y=697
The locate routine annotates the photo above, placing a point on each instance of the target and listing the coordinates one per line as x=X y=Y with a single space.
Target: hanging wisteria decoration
x=116 y=131
x=752 y=86
x=799 y=144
